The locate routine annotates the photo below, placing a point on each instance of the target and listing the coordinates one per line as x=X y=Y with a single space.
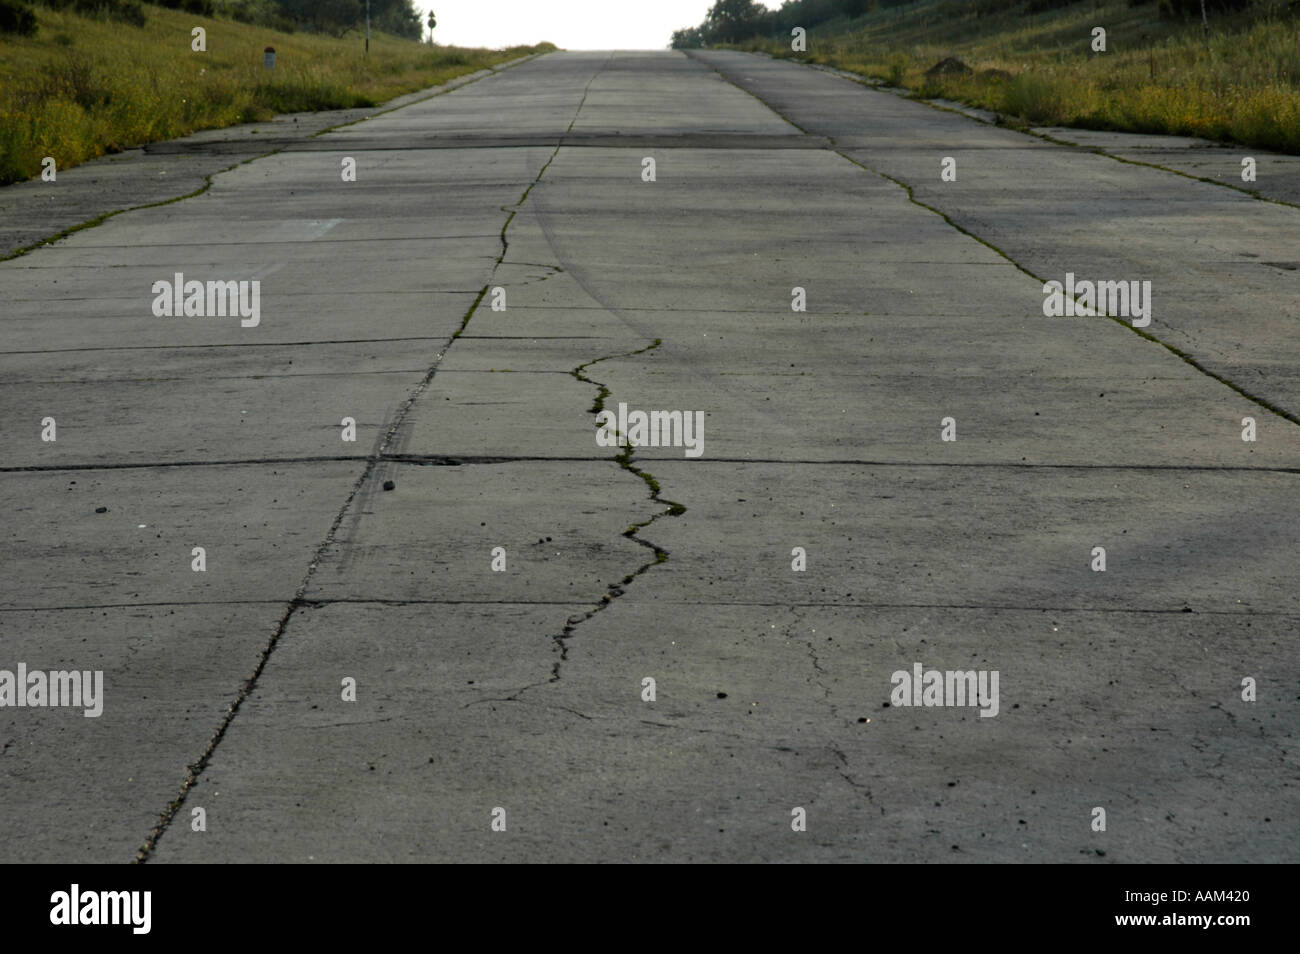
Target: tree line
x=731 y=21
x=336 y=17
x=399 y=17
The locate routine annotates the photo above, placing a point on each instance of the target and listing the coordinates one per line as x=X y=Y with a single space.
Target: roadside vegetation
x=79 y=79
x=1033 y=61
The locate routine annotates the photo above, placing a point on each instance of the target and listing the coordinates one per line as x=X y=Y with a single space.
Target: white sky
x=571 y=24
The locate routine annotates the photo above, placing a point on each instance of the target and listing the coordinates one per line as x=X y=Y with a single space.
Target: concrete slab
x=260 y=525
x=1201 y=246
x=523 y=690
x=89 y=790
x=34 y=211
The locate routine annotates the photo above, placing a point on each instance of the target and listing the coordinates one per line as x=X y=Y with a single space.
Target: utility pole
x=368 y=25
x=1205 y=23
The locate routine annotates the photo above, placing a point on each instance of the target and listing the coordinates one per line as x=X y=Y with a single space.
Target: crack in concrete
x=1010 y=124
x=319 y=602
x=1119 y=320
x=105 y=216
x=449 y=460
x=92 y=606
x=244 y=143
x=817 y=679
x=241 y=243
x=762 y=742
x=1123 y=322
x=344 y=725
x=376 y=458
x=150 y=465
x=265 y=347
x=624 y=460
x=540 y=705
x=818 y=671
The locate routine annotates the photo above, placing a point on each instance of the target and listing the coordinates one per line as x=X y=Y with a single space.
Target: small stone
x=389 y=485
x=722 y=695
x=101 y=510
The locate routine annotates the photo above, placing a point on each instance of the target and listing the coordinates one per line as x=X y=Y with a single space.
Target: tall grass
x=1157 y=76
x=84 y=86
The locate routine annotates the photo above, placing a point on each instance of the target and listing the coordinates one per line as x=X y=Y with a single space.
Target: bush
x=201 y=7
x=127 y=11
x=1187 y=8
x=17 y=18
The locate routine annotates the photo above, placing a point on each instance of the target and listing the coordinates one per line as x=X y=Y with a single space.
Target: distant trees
x=730 y=21
x=324 y=16
x=336 y=17
x=1189 y=7
x=17 y=18
x=687 y=38
x=398 y=17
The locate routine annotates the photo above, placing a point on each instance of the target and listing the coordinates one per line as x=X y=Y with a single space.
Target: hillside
x=86 y=85
x=1033 y=61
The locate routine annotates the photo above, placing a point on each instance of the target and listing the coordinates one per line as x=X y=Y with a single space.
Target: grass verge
x=84 y=86
x=1156 y=75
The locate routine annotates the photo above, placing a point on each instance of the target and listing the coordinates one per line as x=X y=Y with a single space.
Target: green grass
x=1157 y=76
x=83 y=86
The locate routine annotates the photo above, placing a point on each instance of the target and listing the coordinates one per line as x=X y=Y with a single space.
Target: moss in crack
x=624 y=457
x=105 y=216
x=464 y=322
x=624 y=460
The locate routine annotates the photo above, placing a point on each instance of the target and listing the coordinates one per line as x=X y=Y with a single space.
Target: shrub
x=17 y=18
x=201 y=7
x=127 y=11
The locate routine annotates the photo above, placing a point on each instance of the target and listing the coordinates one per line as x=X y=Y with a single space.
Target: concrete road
x=436 y=641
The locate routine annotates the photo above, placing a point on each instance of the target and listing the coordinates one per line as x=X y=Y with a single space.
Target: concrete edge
x=1045 y=133
x=96 y=215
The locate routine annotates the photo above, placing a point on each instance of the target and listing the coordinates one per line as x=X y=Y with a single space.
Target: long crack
x=376 y=458
x=1173 y=349
x=624 y=459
